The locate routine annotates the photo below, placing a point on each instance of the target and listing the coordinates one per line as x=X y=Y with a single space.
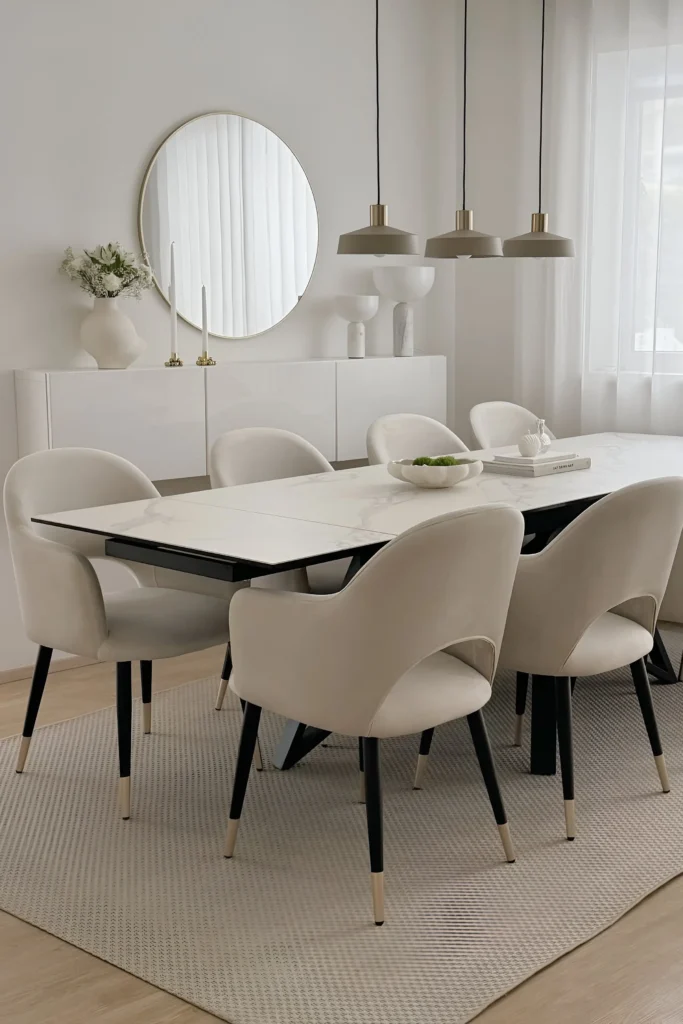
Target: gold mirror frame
x=143 y=189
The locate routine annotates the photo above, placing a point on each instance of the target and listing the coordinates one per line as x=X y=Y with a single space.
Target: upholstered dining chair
x=405 y=435
x=62 y=603
x=256 y=454
x=588 y=603
x=495 y=424
x=370 y=660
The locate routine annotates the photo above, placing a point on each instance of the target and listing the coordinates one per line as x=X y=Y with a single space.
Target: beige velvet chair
x=406 y=435
x=256 y=454
x=62 y=603
x=370 y=660
x=495 y=424
x=588 y=603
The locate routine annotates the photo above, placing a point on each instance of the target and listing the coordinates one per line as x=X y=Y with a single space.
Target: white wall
x=502 y=182
x=89 y=89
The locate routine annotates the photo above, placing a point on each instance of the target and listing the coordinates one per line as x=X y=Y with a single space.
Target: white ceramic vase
x=110 y=336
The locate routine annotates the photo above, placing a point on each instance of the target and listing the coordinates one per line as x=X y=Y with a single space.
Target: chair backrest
x=59 y=594
x=616 y=556
x=442 y=583
x=252 y=454
x=405 y=435
x=495 y=424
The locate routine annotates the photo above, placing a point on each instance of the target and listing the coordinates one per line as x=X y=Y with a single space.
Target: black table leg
x=659 y=664
x=543 y=726
x=296 y=741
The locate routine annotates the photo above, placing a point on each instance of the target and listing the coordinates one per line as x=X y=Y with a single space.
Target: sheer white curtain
x=600 y=339
x=239 y=208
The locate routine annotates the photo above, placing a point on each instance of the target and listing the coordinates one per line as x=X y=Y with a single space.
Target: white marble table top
x=369 y=499
x=223 y=532
x=303 y=517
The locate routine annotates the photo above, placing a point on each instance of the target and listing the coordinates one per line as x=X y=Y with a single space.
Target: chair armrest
x=288 y=650
x=60 y=595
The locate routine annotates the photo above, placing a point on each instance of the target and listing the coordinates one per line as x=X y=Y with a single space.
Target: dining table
x=253 y=530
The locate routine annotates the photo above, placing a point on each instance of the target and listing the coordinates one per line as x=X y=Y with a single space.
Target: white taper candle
x=174 y=311
x=205 y=324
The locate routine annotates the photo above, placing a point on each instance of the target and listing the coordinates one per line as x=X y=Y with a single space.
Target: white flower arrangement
x=108 y=271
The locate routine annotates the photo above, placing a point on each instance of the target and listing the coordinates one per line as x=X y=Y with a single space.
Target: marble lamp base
x=404 y=285
x=356 y=309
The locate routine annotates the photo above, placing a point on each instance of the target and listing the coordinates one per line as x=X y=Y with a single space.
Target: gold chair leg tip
x=519 y=727
x=23 y=753
x=570 y=819
x=506 y=839
x=377 y=881
x=231 y=837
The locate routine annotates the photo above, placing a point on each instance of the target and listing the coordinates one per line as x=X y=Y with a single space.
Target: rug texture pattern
x=283 y=933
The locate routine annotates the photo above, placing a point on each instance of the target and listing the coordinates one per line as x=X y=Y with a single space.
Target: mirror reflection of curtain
x=237 y=204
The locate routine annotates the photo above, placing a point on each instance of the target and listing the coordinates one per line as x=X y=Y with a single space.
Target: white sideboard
x=165 y=420
x=297 y=396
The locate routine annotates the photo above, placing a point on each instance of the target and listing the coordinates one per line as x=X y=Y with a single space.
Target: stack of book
x=537 y=465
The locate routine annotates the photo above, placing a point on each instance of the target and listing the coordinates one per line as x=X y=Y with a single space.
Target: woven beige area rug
x=283 y=934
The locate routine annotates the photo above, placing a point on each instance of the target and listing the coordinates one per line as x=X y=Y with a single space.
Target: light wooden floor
x=630 y=974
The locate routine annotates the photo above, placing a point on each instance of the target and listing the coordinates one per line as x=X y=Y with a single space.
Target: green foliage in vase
x=108 y=271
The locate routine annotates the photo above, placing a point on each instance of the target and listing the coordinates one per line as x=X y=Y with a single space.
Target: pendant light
x=464 y=242
x=378 y=239
x=539 y=243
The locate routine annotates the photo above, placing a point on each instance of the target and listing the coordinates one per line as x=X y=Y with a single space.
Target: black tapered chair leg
x=361 y=769
x=146 y=690
x=520 y=705
x=565 y=740
x=642 y=684
x=423 y=756
x=245 y=755
x=482 y=748
x=124 y=721
x=42 y=667
x=373 y=809
x=258 y=758
x=225 y=676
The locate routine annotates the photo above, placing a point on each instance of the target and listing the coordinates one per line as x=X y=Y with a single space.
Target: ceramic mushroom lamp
x=356 y=309
x=405 y=285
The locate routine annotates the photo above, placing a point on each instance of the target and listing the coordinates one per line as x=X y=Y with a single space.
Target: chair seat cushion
x=147 y=623
x=439 y=689
x=611 y=642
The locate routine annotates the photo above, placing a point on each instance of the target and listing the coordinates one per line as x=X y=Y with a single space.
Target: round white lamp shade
x=404 y=285
x=356 y=309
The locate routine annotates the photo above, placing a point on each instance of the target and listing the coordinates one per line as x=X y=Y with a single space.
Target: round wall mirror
x=238 y=207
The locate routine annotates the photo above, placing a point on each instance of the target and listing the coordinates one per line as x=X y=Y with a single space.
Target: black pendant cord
x=379 y=195
x=540 y=133
x=464 y=107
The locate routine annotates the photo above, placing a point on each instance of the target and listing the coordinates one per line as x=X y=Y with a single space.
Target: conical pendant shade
x=464 y=242
x=538 y=243
x=378 y=239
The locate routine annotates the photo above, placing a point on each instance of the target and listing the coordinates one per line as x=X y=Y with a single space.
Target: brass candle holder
x=205 y=360
x=175 y=360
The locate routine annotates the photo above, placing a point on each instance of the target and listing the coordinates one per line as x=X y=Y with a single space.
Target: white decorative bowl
x=434 y=476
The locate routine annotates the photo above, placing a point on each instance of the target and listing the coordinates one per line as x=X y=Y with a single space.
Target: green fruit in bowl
x=442 y=460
